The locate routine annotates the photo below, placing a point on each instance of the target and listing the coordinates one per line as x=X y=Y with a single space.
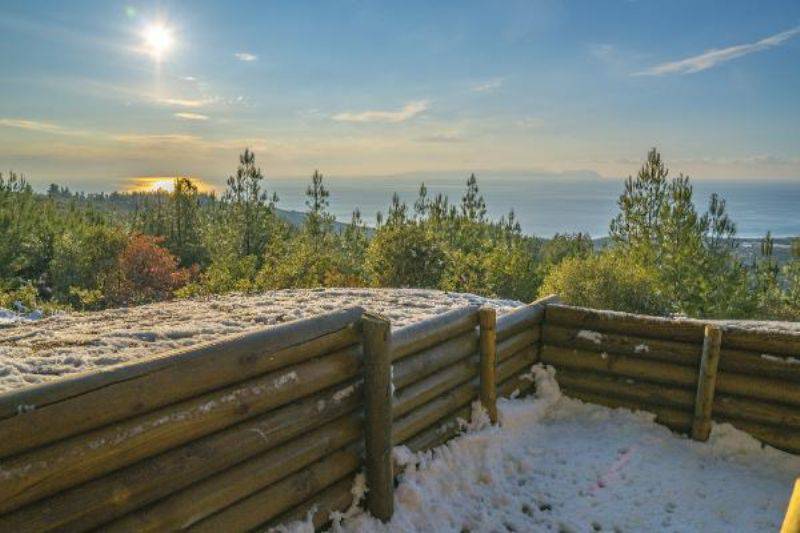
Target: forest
x=68 y=250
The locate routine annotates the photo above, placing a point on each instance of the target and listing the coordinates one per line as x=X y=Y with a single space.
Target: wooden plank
x=762 y=341
x=487 y=322
x=421 y=335
x=279 y=497
x=523 y=318
x=750 y=410
x=441 y=432
x=336 y=498
x=429 y=388
x=47 y=470
x=99 y=501
x=680 y=353
x=522 y=361
x=629 y=389
x=378 y=407
x=217 y=493
x=706 y=383
x=631 y=367
x=434 y=358
x=791 y=522
x=625 y=323
x=430 y=413
x=758 y=364
x=676 y=420
x=72 y=405
x=767 y=389
x=515 y=343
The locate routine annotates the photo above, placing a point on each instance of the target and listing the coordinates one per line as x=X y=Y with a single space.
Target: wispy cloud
x=186 y=102
x=245 y=56
x=488 y=86
x=36 y=125
x=407 y=112
x=156 y=138
x=191 y=116
x=716 y=56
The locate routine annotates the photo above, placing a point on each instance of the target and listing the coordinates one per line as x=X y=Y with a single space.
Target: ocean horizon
x=548 y=205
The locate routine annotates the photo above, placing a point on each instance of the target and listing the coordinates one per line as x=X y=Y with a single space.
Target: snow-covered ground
x=34 y=351
x=558 y=464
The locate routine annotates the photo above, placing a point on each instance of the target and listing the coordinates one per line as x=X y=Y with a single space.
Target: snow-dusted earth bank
x=34 y=351
x=558 y=464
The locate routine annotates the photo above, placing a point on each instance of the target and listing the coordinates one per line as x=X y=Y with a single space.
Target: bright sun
x=163 y=184
x=157 y=40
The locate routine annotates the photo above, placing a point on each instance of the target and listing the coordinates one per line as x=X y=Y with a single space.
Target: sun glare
x=158 y=40
x=163 y=183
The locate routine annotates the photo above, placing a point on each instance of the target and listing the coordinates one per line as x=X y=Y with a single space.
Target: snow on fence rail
x=656 y=364
x=264 y=428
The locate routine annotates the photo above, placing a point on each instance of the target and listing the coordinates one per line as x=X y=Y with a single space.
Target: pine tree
x=421 y=205
x=250 y=208
x=473 y=207
x=642 y=206
x=319 y=223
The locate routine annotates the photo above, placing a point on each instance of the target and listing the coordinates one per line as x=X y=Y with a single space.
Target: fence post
x=487 y=320
x=378 y=424
x=706 y=382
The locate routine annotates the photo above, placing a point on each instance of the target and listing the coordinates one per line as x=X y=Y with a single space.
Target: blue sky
x=366 y=88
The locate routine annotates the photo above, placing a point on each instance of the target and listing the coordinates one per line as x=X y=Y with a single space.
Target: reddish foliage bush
x=146 y=272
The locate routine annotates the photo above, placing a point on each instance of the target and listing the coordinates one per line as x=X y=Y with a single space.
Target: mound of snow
x=69 y=343
x=558 y=464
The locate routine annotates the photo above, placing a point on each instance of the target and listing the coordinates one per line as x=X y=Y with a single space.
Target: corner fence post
x=487 y=321
x=378 y=423
x=706 y=383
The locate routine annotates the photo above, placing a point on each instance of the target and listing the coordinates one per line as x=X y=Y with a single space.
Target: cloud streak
x=407 y=112
x=36 y=125
x=247 y=57
x=185 y=102
x=191 y=116
x=716 y=56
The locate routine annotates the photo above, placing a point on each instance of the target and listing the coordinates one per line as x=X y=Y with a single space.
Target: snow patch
x=35 y=351
x=282 y=381
x=558 y=464
x=788 y=360
x=591 y=336
x=343 y=393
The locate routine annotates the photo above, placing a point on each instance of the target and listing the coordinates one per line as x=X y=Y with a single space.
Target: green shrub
x=609 y=280
x=405 y=256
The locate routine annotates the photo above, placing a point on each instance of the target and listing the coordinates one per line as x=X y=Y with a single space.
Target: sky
x=96 y=94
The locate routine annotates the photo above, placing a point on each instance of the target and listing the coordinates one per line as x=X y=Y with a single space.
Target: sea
x=547 y=205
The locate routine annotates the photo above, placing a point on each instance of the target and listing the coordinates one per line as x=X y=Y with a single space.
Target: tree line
x=70 y=250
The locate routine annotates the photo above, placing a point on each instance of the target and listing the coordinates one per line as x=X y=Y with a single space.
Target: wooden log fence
x=273 y=426
x=688 y=372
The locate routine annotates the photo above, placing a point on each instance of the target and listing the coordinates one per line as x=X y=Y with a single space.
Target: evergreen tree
x=249 y=207
x=318 y=223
